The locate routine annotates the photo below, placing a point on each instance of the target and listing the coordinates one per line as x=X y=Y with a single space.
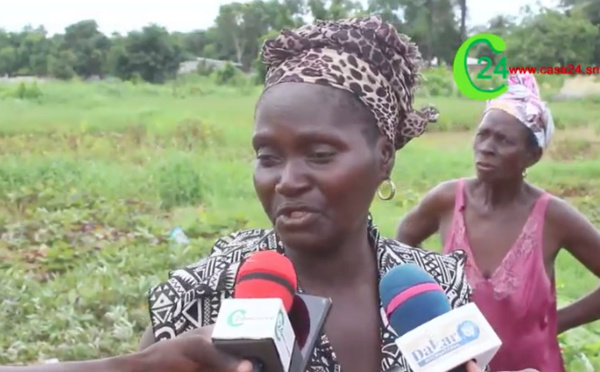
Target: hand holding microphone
x=252 y=332
x=193 y=351
x=190 y=352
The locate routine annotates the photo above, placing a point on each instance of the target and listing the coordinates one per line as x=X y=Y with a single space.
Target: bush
x=179 y=182
x=204 y=69
x=23 y=91
x=227 y=74
x=437 y=82
x=231 y=76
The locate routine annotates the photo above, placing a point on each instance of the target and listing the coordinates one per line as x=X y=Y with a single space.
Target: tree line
x=568 y=34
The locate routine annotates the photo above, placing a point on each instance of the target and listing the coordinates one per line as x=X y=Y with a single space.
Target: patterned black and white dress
x=191 y=298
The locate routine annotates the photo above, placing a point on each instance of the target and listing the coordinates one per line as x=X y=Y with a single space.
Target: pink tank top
x=518 y=300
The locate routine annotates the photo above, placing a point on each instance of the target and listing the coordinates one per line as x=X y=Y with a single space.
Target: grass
x=93 y=176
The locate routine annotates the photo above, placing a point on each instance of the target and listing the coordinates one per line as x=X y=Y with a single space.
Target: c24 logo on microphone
x=236 y=318
x=279 y=326
x=465 y=333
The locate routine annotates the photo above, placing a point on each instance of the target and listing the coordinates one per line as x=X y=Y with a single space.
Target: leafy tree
x=550 y=36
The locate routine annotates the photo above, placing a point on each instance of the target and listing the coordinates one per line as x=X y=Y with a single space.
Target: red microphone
x=267 y=274
x=253 y=325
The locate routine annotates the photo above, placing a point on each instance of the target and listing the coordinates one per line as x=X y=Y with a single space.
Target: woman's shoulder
x=442 y=195
x=447 y=269
x=192 y=295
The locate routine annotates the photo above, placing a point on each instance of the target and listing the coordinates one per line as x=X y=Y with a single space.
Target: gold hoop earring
x=392 y=190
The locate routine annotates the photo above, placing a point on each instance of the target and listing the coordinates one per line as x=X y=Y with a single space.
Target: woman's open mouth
x=295 y=219
x=485 y=167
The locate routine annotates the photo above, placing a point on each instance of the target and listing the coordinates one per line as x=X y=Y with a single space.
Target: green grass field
x=93 y=176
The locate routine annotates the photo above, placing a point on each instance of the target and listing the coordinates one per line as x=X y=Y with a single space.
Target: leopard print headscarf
x=364 y=56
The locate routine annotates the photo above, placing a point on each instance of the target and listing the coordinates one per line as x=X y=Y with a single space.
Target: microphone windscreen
x=267 y=274
x=300 y=319
x=411 y=297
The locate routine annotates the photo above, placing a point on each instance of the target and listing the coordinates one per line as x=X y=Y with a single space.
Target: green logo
x=279 y=326
x=236 y=318
x=461 y=72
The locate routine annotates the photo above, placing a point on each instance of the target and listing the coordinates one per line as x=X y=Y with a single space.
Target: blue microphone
x=411 y=298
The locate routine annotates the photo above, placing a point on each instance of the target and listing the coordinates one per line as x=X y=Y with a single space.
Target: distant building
x=187 y=67
x=473 y=65
x=25 y=79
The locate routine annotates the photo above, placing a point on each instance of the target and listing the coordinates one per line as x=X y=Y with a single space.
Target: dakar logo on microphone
x=465 y=333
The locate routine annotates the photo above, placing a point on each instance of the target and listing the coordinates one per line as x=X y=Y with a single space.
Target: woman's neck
x=351 y=261
x=499 y=193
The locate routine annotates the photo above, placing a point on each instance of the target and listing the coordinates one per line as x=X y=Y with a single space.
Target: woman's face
x=501 y=147
x=316 y=171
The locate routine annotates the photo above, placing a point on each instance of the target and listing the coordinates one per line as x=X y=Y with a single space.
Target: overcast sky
x=175 y=15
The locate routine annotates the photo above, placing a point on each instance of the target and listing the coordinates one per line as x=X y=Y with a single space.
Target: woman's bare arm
x=580 y=238
x=424 y=220
x=191 y=351
x=117 y=364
